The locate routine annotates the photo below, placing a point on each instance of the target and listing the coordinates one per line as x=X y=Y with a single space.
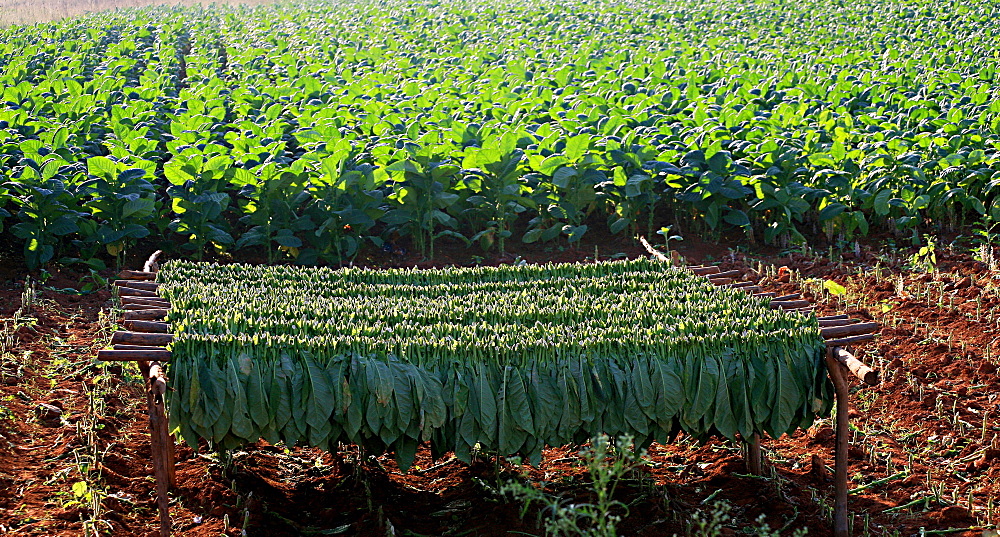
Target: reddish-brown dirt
x=925 y=441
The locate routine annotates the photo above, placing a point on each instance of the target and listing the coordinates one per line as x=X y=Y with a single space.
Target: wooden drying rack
x=839 y=331
x=146 y=336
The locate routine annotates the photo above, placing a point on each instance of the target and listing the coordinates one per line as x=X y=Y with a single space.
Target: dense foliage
x=508 y=358
x=316 y=129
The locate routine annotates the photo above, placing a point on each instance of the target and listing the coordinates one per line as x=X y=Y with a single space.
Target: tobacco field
x=317 y=131
x=404 y=286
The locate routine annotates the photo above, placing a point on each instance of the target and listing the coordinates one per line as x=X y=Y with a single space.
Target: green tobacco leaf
x=321 y=401
x=242 y=424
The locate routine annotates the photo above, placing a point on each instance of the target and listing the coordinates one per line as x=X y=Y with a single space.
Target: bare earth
x=32 y=11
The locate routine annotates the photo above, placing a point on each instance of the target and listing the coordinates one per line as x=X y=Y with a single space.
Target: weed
x=607 y=462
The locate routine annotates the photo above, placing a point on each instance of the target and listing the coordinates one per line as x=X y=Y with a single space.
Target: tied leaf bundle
x=503 y=359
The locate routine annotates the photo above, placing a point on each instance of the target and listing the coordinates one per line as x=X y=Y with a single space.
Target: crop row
x=314 y=129
x=392 y=359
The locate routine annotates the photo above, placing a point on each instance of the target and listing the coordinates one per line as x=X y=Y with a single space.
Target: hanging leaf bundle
x=501 y=359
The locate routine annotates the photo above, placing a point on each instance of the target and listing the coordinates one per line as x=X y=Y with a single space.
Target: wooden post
x=151 y=265
x=863 y=373
x=163 y=464
x=754 y=465
x=840 y=514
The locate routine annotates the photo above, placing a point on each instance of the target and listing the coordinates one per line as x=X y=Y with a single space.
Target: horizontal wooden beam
x=831 y=317
x=146 y=315
x=705 y=271
x=843 y=342
x=123 y=347
x=833 y=332
x=864 y=373
x=789 y=304
x=149 y=327
x=793 y=296
x=726 y=274
x=722 y=281
x=764 y=295
x=137 y=275
x=741 y=285
x=144 y=307
x=106 y=355
x=128 y=291
x=837 y=322
x=141 y=338
x=135 y=284
x=145 y=300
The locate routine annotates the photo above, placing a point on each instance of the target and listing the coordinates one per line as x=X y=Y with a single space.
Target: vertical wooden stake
x=840 y=514
x=158 y=440
x=754 y=465
x=171 y=455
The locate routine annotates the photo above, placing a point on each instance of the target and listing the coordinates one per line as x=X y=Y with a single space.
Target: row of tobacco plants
x=296 y=130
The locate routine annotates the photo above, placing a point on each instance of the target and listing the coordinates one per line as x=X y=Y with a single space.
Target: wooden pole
x=726 y=274
x=793 y=296
x=136 y=275
x=133 y=355
x=146 y=315
x=863 y=373
x=831 y=317
x=125 y=347
x=653 y=251
x=162 y=302
x=144 y=307
x=845 y=341
x=151 y=265
x=840 y=514
x=141 y=338
x=754 y=464
x=832 y=332
x=128 y=291
x=705 y=271
x=837 y=322
x=159 y=382
x=159 y=436
x=152 y=327
x=789 y=304
x=135 y=284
